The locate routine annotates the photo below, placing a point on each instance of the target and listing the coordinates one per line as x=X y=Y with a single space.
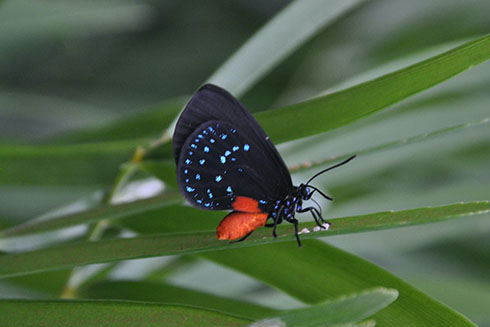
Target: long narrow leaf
x=164 y=293
x=91 y=216
x=332 y=272
x=292 y=27
x=25 y=313
x=82 y=253
x=396 y=143
x=337 y=312
x=90 y=163
x=343 y=107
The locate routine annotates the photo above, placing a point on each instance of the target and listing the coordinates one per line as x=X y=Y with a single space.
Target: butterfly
x=225 y=161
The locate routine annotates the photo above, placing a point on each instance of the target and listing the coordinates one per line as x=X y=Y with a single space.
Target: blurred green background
x=79 y=72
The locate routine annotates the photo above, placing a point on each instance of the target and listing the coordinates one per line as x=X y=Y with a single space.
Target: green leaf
x=332 y=272
x=81 y=253
x=92 y=216
x=178 y=219
x=108 y=313
x=343 y=107
x=394 y=144
x=286 y=32
x=49 y=283
x=336 y=312
x=164 y=293
x=94 y=162
x=148 y=123
x=82 y=164
x=162 y=169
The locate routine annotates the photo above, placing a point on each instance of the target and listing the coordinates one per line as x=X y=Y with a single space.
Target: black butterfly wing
x=222 y=152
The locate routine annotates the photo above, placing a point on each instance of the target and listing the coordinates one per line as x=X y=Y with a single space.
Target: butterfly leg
x=277 y=220
x=242 y=239
x=316 y=215
x=273 y=222
x=296 y=232
x=319 y=215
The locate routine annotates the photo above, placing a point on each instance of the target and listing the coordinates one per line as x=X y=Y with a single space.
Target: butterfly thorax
x=292 y=203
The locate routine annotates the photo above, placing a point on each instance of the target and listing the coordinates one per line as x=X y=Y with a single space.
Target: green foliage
x=332 y=272
x=335 y=312
x=86 y=252
x=108 y=313
x=85 y=126
x=164 y=293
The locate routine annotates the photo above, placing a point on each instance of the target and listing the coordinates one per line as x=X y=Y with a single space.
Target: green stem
x=96 y=232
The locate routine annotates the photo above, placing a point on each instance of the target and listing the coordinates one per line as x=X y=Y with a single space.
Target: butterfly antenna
x=322 y=194
x=330 y=168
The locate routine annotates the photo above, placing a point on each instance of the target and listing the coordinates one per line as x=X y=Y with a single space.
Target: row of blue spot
x=218 y=178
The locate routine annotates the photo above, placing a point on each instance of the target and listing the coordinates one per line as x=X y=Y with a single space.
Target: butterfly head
x=304 y=192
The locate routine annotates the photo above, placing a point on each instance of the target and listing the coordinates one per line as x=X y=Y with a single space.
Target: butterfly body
x=225 y=161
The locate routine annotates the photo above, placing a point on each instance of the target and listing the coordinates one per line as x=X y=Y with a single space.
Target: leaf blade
x=332 y=272
x=166 y=293
x=107 y=313
x=92 y=215
x=343 y=107
x=276 y=40
x=81 y=253
x=345 y=310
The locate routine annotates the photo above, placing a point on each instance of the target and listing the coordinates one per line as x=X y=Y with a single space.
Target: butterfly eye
x=305 y=192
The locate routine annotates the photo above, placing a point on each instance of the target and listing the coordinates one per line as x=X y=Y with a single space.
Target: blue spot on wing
x=213 y=147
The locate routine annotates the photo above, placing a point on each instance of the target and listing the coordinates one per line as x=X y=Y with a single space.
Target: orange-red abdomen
x=238 y=224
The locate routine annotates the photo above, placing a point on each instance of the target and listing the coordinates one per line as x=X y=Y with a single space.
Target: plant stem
x=76 y=277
